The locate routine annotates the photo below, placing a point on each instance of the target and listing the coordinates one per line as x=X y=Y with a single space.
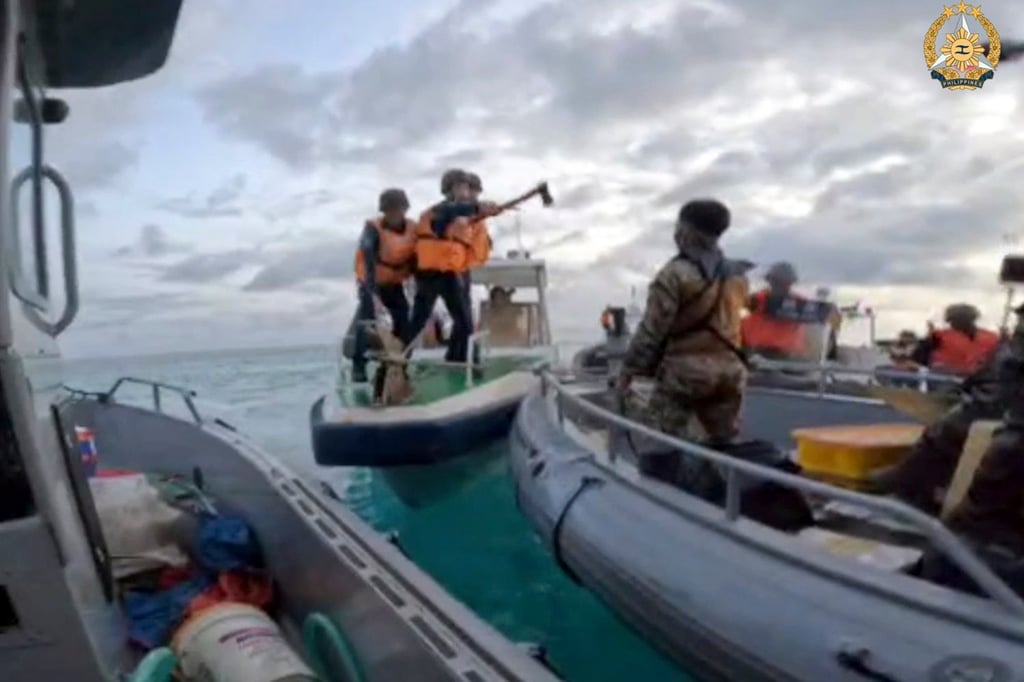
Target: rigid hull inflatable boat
x=454 y=409
x=63 y=613
x=731 y=598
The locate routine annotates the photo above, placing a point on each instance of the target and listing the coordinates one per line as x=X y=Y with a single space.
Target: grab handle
x=36 y=302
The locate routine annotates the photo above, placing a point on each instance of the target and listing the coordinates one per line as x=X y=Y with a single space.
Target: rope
x=319 y=628
x=157 y=666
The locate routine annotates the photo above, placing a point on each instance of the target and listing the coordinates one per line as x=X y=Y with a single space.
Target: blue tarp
x=222 y=543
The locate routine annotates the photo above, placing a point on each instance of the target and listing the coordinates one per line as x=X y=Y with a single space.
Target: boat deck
x=434 y=382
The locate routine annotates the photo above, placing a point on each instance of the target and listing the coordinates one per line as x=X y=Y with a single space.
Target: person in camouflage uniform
x=688 y=339
x=992 y=511
x=933 y=459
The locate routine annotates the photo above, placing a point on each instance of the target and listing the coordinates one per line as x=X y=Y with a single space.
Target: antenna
x=519 y=232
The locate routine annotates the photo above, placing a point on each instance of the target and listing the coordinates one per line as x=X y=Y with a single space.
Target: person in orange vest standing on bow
x=384 y=261
x=444 y=255
x=764 y=331
x=962 y=347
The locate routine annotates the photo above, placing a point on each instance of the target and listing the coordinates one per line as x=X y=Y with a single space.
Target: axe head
x=545 y=194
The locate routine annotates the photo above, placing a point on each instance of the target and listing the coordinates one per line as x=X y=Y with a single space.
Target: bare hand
x=489 y=208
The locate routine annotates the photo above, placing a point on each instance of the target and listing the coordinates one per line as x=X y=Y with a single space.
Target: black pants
x=450 y=287
x=393 y=298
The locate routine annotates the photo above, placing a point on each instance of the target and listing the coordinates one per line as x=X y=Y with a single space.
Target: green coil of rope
x=319 y=629
x=157 y=666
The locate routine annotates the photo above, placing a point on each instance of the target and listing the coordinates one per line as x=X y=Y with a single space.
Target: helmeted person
x=689 y=336
x=765 y=334
x=990 y=516
x=442 y=260
x=960 y=348
x=384 y=261
x=930 y=465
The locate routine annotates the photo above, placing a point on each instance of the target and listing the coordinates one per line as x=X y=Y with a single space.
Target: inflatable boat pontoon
x=731 y=598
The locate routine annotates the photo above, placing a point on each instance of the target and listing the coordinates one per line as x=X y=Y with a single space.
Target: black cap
x=392 y=198
x=707 y=216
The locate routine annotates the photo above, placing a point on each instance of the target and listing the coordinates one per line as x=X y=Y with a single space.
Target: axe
x=540 y=190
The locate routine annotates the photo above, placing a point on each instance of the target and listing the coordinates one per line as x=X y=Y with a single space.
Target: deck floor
x=437 y=382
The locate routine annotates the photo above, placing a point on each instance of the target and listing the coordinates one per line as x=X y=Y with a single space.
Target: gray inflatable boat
x=730 y=598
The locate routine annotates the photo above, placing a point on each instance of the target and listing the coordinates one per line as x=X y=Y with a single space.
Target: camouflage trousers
x=933 y=459
x=992 y=512
x=698 y=397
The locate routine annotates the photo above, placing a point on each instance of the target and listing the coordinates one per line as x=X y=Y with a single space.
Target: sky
x=218 y=201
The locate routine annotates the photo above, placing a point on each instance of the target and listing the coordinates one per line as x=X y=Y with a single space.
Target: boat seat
x=510 y=324
x=978 y=440
x=888 y=557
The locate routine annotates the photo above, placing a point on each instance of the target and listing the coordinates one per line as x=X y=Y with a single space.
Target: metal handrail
x=836 y=368
x=473 y=342
x=931 y=528
x=185 y=394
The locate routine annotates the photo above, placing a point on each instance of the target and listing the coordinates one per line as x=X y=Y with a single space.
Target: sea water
x=469 y=536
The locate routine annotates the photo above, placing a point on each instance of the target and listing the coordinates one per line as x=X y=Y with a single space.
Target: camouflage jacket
x=698 y=288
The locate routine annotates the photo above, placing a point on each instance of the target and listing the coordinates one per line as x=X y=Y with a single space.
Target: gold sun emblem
x=962 y=50
x=970 y=53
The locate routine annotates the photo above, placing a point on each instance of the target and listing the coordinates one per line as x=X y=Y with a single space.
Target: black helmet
x=393 y=198
x=707 y=216
x=962 y=311
x=781 y=272
x=475 y=183
x=452 y=177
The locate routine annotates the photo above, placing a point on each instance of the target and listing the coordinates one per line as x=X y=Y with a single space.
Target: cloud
x=102 y=166
x=330 y=260
x=222 y=201
x=152 y=243
x=209 y=267
x=869 y=178
x=291 y=206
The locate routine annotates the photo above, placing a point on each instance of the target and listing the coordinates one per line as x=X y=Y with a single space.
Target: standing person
x=689 y=336
x=962 y=347
x=443 y=260
x=765 y=330
x=383 y=263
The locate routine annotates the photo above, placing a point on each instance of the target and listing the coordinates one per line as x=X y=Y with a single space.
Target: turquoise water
x=466 y=533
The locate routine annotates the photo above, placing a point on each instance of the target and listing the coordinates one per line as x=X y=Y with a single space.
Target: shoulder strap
x=704 y=323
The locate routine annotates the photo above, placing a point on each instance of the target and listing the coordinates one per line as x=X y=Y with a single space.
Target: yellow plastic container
x=848 y=454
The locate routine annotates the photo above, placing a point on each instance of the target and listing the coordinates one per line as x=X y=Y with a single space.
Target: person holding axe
x=383 y=263
x=443 y=238
x=451 y=241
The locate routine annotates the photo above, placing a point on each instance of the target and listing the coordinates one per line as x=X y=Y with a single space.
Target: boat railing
x=157 y=389
x=931 y=528
x=476 y=340
x=923 y=378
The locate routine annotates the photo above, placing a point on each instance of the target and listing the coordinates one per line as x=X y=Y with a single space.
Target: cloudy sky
x=219 y=201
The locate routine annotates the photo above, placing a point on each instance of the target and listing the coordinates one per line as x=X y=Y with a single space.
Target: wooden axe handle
x=512 y=203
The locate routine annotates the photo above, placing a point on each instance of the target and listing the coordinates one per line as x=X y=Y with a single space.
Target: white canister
x=237 y=643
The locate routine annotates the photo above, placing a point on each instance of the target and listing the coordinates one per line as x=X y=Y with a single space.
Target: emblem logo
x=954 y=52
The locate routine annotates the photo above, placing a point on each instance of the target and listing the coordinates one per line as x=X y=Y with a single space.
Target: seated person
x=933 y=459
x=960 y=348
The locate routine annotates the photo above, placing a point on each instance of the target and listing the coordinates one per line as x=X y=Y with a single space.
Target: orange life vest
x=759 y=331
x=959 y=354
x=451 y=252
x=479 y=244
x=395 y=257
